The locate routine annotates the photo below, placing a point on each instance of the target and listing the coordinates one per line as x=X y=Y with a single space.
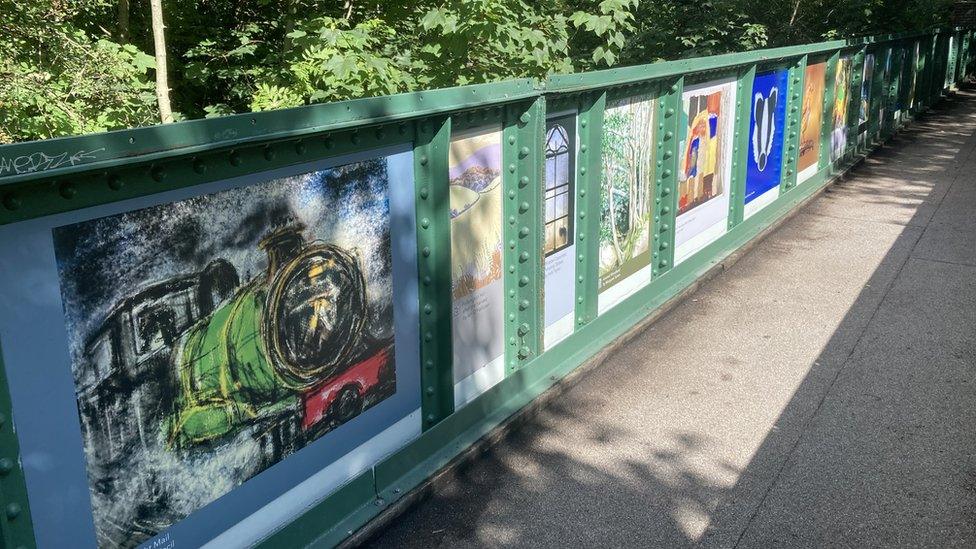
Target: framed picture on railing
x=764 y=163
x=811 y=120
x=180 y=361
x=626 y=194
x=477 y=289
x=705 y=166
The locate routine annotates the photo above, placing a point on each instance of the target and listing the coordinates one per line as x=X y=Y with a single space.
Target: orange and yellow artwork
x=812 y=115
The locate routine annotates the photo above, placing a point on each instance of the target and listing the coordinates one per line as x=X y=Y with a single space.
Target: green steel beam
x=32 y=199
x=740 y=144
x=794 y=113
x=16 y=529
x=433 y=206
x=670 y=133
x=523 y=159
x=588 y=184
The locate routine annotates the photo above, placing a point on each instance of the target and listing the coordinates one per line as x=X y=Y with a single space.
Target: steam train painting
x=197 y=381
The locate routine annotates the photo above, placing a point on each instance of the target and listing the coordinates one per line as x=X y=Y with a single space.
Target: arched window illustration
x=559 y=189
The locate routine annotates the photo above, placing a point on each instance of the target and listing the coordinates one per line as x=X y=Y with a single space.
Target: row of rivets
x=158 y=173
x=427 y=268
x=667 y=124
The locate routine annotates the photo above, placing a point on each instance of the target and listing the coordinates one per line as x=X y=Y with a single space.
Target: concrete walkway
x=821 y=392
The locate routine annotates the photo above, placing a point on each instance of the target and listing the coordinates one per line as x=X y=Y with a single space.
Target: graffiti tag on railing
x=39 y=162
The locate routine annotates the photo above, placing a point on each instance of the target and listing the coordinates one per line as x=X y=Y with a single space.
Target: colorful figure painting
x=559 y=244
x=765 y=162
x=866 y=83
x=475 y=172
x=842 y=81
x=705 y=166
x=811 y=120
x=626 y=196
x=213 y=337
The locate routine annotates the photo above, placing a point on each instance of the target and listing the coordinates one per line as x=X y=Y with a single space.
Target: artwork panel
x=811 y=119
x=838 y=135
x=286 y=278
x=705 y=167
x=627 y=191
x=560 y=268
x=475 y=186
x=221 y=331
x=768 y=114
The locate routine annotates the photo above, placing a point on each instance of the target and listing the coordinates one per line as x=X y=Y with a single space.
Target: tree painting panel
x=213 y=337
x=838 y=136
x=866 y=83
x=705 y=165
x=626 y=191
x=811 y=120
x=765 y=162
x=475 y=172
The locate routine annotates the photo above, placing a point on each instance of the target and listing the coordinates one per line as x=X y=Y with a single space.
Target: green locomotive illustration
x=268 y=352
x=214 y=337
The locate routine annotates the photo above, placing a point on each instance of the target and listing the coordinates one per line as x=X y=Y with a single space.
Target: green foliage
x=612 y=21
x=56 y=79
x=472 y=41
x=70 y=66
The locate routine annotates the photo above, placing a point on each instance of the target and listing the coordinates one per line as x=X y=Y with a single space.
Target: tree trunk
x=162 y=79
x=123 y=29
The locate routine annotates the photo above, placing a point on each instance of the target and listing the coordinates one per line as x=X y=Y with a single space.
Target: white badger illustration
x=764 y=118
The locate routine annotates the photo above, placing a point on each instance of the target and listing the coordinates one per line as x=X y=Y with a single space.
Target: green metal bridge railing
x=685 y=106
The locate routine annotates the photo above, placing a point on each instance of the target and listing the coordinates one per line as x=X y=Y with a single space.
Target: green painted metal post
x=588 y=184
x=740 y=144
x=16 y=529
x=952 y=72
x=433 y=208
x=794 y=114
x=827 y=120
x=523 y=159
x=669 y=135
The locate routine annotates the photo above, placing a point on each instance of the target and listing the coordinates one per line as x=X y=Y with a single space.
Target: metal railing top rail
x=64 y=156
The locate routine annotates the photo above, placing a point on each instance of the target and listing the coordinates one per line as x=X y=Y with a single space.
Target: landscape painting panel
x=765 y=162
x=811 y=119
x=838 y=136
x=627 y=190
x=475 y=173
x=705 y=166
x=213 y=337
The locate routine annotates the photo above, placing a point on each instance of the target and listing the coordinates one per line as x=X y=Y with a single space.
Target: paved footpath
x=820 y=393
